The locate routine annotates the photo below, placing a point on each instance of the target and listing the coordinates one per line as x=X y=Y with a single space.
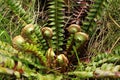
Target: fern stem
x=114 y=21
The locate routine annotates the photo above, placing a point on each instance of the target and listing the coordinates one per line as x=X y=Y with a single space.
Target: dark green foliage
x=4 y=36
x=9 y=51
x=56 y=18
x=94 y=14
x=42 y=42
x=19 y=11
x=35 y=51
x=47 y=52
x=104 y=71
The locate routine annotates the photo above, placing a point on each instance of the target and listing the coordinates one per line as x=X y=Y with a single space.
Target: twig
x=114 y=21
x=114 y=44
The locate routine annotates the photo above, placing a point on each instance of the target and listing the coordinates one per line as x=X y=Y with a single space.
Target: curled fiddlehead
x=28 y=34
x=72 y=29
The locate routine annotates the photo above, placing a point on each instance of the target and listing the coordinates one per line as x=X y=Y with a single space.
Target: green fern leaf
x=94 y=14
x=56 y=18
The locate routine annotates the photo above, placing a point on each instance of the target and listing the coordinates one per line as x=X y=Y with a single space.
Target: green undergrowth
x=59 y=40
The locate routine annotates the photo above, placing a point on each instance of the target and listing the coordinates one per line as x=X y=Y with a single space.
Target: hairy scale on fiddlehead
x=62 y=60
x=73 y=28
x=47 y=32
x=94 y=14
x=56 y=19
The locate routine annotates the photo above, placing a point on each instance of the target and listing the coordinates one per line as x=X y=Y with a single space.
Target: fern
x=33 y=48
x=4 y=34
x=9 y=51
x=19 y=11
x=116 y=50
x=26 y=19
x=100 y=66
x=56 y=23
x=94 y=14
x=106 y=70
x=43 y=45
x=80 y=9
x=41 y=53
x=12 y=67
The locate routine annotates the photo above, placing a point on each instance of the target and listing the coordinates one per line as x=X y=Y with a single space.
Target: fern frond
x=106 y=70
x=16 y=7
x=27 y=58
x=3 y=35
x=80 y=9
x=56 y=18
x=43 y=45
x=94 y=14
x=26 y=19
x=70 y=42
x=104 y=58
x=5 y=46
x=116 y=50
x=33 y=48
x=3 y=19
x=12 y=67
